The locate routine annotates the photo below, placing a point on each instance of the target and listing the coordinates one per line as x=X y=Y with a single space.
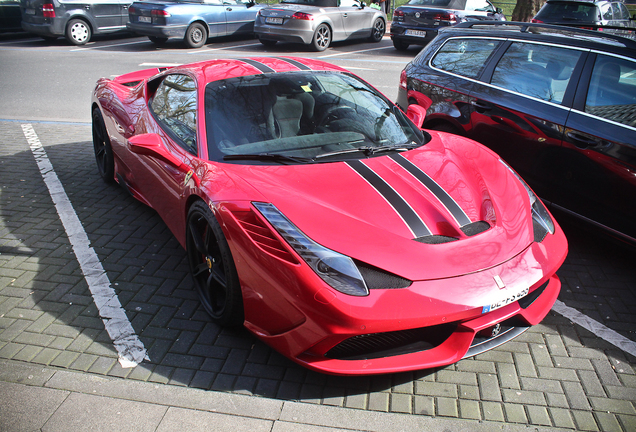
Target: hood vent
x=470 y=230
x=375 y=278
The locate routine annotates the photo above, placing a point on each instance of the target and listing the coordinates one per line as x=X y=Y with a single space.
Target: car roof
x=562 y=35
x=214 y=70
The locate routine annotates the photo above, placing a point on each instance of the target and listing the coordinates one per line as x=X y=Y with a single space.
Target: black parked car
x=557 y=103
x=607 y=15
x=10 y=16
x=418 y=21
x=77 y=20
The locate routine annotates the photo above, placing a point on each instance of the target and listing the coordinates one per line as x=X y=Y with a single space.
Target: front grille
x=378 y=345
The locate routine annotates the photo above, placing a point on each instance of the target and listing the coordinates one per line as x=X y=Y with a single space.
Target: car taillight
x=398 y=13
x=303 y=16
x=536 y=21
x=403 y=79
x=48 y=11
x=132 y=10
x=160 y=13
x=445 y=16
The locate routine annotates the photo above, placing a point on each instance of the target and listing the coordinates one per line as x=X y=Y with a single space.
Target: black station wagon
x=557 y=103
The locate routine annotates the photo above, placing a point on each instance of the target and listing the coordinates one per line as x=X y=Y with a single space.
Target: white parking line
x=354 y=52
x=595 y=327
x=130 y=349
x=85 y=48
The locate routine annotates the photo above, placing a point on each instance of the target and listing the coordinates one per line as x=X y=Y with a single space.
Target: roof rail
x=526 y=27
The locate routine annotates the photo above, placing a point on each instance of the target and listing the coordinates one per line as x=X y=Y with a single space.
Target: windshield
x=303 y=116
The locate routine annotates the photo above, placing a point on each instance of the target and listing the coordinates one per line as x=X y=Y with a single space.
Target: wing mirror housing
x=151 y=144
x=416 y=114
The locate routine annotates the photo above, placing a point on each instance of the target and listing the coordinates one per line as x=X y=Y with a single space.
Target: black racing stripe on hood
x=258 y=65
x=443 y=196
x=296 y=63
x=399 y=204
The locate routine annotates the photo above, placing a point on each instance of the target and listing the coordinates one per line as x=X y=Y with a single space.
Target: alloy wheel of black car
x=196 y=35
x=377 y=33
x=322 y=38
x=102 y=147
x=399 y=45
x=78 y=32
x=212 y=267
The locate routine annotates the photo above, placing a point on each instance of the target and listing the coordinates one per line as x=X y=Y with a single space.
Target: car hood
x=374 y=217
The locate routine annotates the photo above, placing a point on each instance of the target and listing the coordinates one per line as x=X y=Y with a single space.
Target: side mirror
x=499 y=10
x=150 y=144
x=417 y=114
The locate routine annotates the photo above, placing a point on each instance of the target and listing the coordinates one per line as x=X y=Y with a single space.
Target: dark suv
x=77 y=20
x=557 y=103
x=609 y=16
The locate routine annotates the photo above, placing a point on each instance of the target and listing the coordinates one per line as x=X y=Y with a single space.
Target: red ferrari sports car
x=320 y=216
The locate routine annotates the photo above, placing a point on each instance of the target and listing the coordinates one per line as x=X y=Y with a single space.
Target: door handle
x=479 y=105
x=581 y=141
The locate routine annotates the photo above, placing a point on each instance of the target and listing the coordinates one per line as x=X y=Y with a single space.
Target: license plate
x=419 y=33
x=510 y=298
x=145 y=19
x=271 y=20
x=29 y=11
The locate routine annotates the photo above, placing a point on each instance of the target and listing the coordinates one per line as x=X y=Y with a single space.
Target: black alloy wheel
x=377 y=32
x=212 y=267
x=102 y=148
x=400 y=45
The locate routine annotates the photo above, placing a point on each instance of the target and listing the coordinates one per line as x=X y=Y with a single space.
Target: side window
x=479 y=5
x=175 y=106
x=624 y=11
x=465 y=57
x=348 y=3
x=539 y=71
x=606 y=12
x=612 y=92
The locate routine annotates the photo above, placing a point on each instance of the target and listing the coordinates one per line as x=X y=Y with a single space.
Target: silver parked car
x=319 y=22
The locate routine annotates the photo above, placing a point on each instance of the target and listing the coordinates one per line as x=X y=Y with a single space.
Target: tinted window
x=568 y=11
x=612 y=92
x=175 y=106
x=540 y=71
x=464 y=57
x=448 y=4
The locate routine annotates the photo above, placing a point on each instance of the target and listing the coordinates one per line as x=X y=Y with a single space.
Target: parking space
x=573 y=371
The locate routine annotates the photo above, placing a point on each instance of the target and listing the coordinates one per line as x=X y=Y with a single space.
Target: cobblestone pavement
x=557 y=374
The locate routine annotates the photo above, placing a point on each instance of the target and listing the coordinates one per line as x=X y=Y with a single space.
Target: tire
x=78 y=32
x=399 y=45
x=49 y=38
x=103 y=149
x=212 y=267
x=159 y=41
x=322 y=38
x=196 y=35
x=267 y=42
x=377 y=32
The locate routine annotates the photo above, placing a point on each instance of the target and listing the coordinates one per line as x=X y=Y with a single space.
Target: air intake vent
x=379 y=279
x=378 y=345
x=262 y=235
x=475 y=228
x=435 y=239
x=527 y=300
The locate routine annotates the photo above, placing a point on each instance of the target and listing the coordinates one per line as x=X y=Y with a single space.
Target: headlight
x=542 y=223
x=337 y=270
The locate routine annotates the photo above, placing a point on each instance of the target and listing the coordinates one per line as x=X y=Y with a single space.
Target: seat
x=287 y=113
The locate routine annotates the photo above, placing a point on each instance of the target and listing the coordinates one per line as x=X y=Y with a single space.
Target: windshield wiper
x=370 y=150
x=274 y=157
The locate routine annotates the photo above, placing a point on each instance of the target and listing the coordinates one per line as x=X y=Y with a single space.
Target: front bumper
x=432 y=323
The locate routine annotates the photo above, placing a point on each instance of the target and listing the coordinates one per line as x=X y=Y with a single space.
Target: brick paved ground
x=556 y=374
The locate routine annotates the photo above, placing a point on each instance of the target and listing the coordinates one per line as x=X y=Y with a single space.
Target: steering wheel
x=330 y=115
